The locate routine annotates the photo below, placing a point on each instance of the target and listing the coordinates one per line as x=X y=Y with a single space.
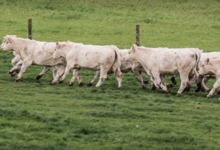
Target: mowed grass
x=35 y=115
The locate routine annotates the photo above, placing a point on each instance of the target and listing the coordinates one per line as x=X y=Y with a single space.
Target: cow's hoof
x=70 y=84
x=153 y=88
x=51 y=83
x=203 y=90
x=90 y=84
x=60 y=81
x=187 y=89
x=218 y=92
x=197 y=90
x=12 y=75
x=170 y=85
x=143 y=87
x=80 y=84
x=38 y=77
x=146 y=82
x=16 y=80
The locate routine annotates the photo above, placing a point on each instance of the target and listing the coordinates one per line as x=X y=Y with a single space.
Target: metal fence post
x=137 y=35
x=30 y=28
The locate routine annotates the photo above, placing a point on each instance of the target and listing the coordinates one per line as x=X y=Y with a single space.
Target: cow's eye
x=128 y=52
x=202 y=65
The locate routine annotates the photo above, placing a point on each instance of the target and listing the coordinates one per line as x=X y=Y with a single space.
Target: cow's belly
x=126 y=70
x=93 y=67
x=169 y=72
x=48 y=62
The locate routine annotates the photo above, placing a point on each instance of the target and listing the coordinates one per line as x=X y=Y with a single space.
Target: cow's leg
x=163 y=81
x=215 y=86
x=139 y=77
x=67 y=70
x=118 y=76
x=97 y=74
x=218 y=91
x=153 y=85
x=46 y=69
x=55 y=70
x=173 y=79
x=192 y=78
x=158 y=81
x=151 y=78
x=16 y=67
x=184 y=81
x=23 y=68
x=103 y=74
x=76 y=74
x=203 y=86
x=15 y=60
x=59 y=73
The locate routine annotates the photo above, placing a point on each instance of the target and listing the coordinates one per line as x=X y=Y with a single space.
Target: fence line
x=142 y=25
x=130 y=25
x=114 y=33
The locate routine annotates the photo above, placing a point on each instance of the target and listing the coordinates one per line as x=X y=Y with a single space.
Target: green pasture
x=37 y=116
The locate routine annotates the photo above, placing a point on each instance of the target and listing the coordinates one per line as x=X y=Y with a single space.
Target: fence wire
x=146 y=32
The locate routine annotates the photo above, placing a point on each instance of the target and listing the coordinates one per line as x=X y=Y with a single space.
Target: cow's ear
x=57 y=43
x=10 y=40
x=133 y=48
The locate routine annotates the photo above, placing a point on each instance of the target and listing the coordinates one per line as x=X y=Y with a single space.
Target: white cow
x=204 y=57
x=90 y=57
x=161 y=62
x=33 y=52
x=17 y=59
x=210 y=67
x=17 y=63
x=126 y=66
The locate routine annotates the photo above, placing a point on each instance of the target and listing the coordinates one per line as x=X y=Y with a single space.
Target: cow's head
x=58 y=50
x=7 y=44
x=206 y=67
x=131 y=53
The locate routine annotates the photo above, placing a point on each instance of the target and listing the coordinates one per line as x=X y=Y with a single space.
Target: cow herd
x=192 y=64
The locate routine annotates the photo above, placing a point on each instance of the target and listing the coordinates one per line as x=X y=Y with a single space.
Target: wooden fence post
x=137 y=35
x=30 y=28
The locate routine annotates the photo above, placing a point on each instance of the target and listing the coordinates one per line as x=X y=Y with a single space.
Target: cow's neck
x=214 y=67
x=142 y=56
x=68 y=47
x=19 y=45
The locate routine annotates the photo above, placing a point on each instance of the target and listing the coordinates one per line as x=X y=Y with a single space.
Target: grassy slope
x=35 y=115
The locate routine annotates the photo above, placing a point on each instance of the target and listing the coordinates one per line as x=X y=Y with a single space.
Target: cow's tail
x=198 y=60
x=196 y=68
x=116 y=66
x=117 y=61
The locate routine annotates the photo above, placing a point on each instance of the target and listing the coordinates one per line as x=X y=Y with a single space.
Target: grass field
x=35 y=115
